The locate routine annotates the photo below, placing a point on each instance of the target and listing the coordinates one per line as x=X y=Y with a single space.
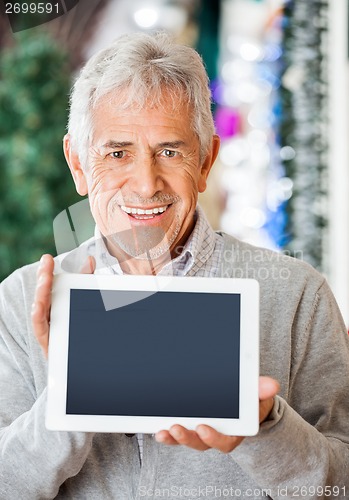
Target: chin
x=146 y=242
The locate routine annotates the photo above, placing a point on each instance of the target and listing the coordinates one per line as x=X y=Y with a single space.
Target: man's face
x=143 y=176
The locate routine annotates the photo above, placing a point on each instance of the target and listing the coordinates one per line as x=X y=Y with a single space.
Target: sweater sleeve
x=303 y=448
x=34 y=462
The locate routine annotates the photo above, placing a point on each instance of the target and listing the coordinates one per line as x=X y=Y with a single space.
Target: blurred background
x=279 y=75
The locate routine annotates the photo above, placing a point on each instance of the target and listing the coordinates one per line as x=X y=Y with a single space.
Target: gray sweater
x=301 y=451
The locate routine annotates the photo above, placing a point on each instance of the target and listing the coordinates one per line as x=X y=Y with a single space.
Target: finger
x=214 y=439
x=188 y=438
x=165 y=438
x=268 y=388
x=44 y=280
x=41 y=309
x=40 y=325
x=43 y=289
x=89 y=266
x=46 y=264
x=42 y=301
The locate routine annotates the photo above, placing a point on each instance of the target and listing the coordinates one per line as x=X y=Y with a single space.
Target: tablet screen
x=170 y=354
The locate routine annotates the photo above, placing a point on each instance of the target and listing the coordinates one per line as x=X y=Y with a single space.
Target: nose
x=146 y=179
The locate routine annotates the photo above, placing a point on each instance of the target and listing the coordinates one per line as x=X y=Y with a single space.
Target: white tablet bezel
x=56 y=418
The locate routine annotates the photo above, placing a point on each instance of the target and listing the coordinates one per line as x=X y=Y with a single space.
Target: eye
x=118 y=154
x=169 y=153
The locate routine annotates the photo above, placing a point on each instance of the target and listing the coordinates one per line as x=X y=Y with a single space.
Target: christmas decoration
x=35 y=183
x=303 y=132
x=247 y=119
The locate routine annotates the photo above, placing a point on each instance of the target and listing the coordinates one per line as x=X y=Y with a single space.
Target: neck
x=148 y=266
x=132 y=265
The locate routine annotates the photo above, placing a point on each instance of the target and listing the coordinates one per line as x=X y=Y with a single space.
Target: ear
x=208 y=162
x=75 y=167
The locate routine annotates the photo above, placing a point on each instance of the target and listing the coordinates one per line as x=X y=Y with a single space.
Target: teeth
x=140 y=211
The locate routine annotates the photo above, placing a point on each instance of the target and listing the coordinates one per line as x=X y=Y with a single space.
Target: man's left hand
x=205 y=437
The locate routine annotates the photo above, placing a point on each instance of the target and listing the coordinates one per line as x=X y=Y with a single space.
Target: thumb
x=89 y=266
x=268 y=388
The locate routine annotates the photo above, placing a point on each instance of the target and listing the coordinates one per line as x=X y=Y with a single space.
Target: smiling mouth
x=144 y=213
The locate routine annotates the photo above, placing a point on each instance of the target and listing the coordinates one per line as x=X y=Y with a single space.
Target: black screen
x=171 y=354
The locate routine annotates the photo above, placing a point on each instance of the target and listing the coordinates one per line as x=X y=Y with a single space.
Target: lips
x=144 y=213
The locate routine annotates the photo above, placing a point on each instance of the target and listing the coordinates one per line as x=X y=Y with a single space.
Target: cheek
x=186 y=187
x=103 y=186
x=103 y=180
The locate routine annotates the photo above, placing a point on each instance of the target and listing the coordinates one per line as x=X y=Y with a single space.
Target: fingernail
x=33 y=307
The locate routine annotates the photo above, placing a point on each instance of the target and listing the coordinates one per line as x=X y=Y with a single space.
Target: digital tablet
x=140 y=353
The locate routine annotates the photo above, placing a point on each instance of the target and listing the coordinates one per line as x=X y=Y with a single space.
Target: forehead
x=116 y=111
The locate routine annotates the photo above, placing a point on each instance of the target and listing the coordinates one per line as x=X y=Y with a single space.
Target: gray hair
x=145 y=65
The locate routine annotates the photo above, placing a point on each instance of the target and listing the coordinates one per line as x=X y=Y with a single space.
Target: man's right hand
x=41 y=307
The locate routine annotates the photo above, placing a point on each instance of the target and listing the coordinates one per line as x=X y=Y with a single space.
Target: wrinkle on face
x=143 y=175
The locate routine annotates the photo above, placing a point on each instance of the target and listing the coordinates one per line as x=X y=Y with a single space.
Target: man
x=141 y=144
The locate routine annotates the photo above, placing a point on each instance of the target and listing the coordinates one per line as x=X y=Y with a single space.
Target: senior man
x=141 y=144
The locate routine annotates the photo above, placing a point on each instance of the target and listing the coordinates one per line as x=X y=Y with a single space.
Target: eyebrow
x=171 y=144
x=122 y=144
x=116 y=144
